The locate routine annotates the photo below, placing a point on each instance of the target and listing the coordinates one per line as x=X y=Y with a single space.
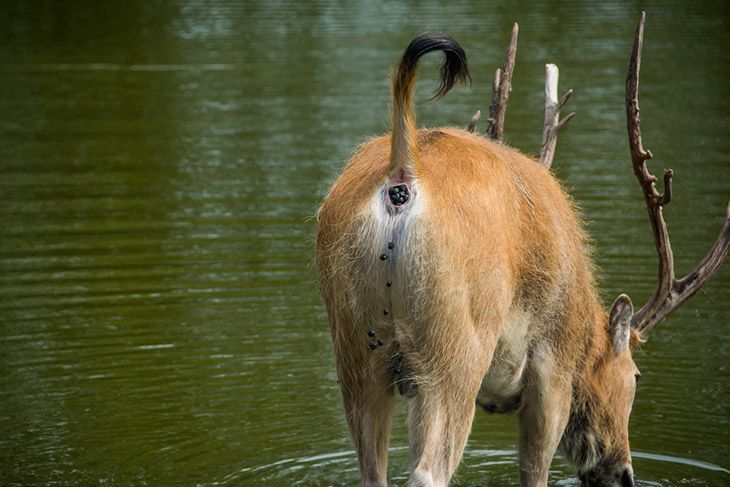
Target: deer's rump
x=486 y=247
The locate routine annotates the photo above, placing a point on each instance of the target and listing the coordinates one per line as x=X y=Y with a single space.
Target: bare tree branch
x=670 y=292
x=552 y=115
x=473 y=122
x=500 y=90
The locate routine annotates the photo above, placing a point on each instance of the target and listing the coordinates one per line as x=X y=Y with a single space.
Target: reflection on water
x=160 y=167
x=495 y=465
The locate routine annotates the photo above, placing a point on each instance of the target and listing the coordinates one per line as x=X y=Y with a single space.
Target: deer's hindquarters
x=373 y=263
x=418 y=262
x=399 y=274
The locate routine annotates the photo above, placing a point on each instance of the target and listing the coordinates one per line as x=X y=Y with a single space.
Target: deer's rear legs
x=441 y=414
x=368 y=398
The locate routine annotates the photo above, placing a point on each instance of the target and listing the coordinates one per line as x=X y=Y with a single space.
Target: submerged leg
x=368 y=399
x=441 y=414
x=542 y=418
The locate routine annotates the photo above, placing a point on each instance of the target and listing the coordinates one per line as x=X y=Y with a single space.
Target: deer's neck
x=582 y=442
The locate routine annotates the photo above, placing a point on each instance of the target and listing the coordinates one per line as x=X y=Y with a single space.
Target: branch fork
x=553 y=124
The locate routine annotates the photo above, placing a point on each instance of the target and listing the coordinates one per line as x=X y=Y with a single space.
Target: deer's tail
x=404 y=150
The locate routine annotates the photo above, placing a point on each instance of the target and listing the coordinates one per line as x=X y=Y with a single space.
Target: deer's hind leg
x=440 y=415
x=366 y=383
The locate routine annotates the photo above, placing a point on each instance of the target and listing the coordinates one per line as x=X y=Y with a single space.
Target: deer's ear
x=619 y=323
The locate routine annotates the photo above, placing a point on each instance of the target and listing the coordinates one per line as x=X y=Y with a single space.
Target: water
x=160 y=166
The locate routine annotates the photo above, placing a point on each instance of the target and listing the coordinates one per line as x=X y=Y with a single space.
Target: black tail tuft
x=404 y=150
x=453 y=69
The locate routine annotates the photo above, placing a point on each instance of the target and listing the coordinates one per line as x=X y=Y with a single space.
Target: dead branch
x=501 y=87
x=473 y=122
x=552 y=115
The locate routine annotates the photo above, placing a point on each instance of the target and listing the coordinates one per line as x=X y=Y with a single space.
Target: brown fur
x=493 y=300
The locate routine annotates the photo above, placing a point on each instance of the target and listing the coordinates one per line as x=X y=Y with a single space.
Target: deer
x=455 y=272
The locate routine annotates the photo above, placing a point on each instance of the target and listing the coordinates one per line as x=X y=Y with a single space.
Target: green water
x=160 y=164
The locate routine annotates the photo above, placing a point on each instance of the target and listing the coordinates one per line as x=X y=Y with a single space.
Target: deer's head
x=597 y=437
